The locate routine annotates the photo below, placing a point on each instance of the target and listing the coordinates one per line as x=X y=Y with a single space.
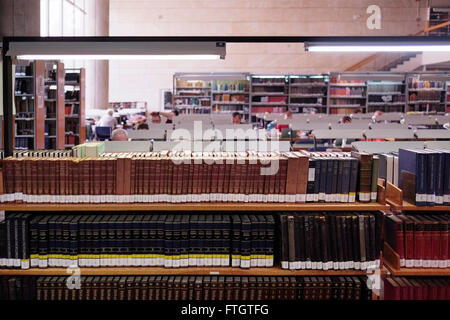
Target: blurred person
x=345 y=119
x=236 y=119
x=142 y=126
x=156 y=118
x=119 y=135
x=170 y=115
x=108 y=120
x=288 y=114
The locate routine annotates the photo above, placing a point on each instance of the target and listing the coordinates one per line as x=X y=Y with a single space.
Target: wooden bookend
x=409 y=186
x=390 y=257
x=2 y=190
x=381 y=194
x=394 y=196
x=381 y=182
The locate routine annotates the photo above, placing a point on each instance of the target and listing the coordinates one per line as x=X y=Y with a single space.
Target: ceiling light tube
x=377 y=48
x=118 y=57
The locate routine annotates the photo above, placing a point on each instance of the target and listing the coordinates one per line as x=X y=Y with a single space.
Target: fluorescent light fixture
x=317 y=47
x=268 y=76
x=114 y=49
x=118 y=57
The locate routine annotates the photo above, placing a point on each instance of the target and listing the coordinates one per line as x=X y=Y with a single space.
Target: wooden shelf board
x=417 y=271
x=193 y=206
x=183 y=271
x=407 y=206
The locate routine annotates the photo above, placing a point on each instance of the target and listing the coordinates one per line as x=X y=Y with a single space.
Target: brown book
x=259 y=288
x=229 y=288
x=62 y=177
x=184 y=288
x=272 y=177
x=120 y=168
x=292 y=294
x=108 y=284
x=191 y=286
x=244 y=290
x=151 y=287
x=206 y=288
x=157 y=288
x=266 y=288
x=96 y=288
x=214 y=288
x=115 y=288
x=365 y=175
x=252 y=283
x=236 y=288
x=163 y=284
x=302 y=174
x=228 y=165
x=221 y=288
x=28 y=177
x=221 y=173
x=198 y=288
x=177 y=288
x=122 y=288
x=243 y=174
x=127 y=175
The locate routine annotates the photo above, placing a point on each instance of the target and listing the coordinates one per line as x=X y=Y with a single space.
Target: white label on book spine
x=311 y=174
x=270 y=197
x=357 y=265
x=281 y=198
x=309 y=197
x=314 y=265
x=245 y=263
x=284 y=265
x=364 y=265
x=276 y=198
x=291 y=266
x=373 y=196
x=321 y=196
x=269 y=263
x=25 y=264
x=439 y=199
x=316 y=197
x=447 y=198
x=435 y=263
x=431 y=198
x=421 y=197
x=351 y=198
x=308 y=265
x=300 y=198
x=320 y=265
x=335 y=265
x=341 y=265
x=442 y=263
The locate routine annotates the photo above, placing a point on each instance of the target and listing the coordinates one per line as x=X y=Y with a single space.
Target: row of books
x=194 y=288
x=408 y=288
x=171 y=241
x=346 y=91
x=38 y=153
x=193 y=177
x=330 y=241
x=424 y=84
x=424 y=175
x=422 y=241
x=425 y=96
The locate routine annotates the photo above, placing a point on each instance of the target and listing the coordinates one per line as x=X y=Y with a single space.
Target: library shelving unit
x=200 y=207
x=391 y=259
x=438 y=16
x=346 y=96
x=230 y=93
x=447 y=96
x=29 y=102
x=308 y=93
x=426 y=92
x=74 y=107
x=192 y=93
x=268 y=93
x=387 y=95
x=54 y=105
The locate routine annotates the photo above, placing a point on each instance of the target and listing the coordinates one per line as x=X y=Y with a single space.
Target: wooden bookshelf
x=391 y=261
x=395 y=198
x=184 y=271
x=357 y=206
x=74 y=109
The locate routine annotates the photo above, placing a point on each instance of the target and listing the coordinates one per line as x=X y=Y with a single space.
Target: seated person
x=108 y=120
x=169 y=115
x=375 y=115
x=119 y=135
x=344 y=142
x=236 y=118
x=288 y=114
x=156 y=118
x=142 y=126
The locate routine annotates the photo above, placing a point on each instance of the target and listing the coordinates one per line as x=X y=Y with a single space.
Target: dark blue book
x=184 y=240
x=245 y=241
x=415 y=162
x=176 y=240
x=168 y=241
x=235 y=241
x=354 y=166
x=201 y=232
x=317 y=175
x=193 y=239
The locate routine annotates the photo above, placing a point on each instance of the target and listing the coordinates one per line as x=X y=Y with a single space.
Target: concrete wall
x=142 y=81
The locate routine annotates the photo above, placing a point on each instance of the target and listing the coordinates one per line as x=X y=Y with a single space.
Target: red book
x=428 y=254
x=395 y=236
x=419 y=242
x=391 y=289
x=417 y=289
x=435 y=243
x=409 y=240
x=404 y=290
x=432 y=290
